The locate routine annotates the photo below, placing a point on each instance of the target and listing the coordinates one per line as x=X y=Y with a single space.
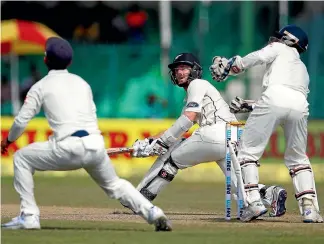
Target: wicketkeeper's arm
x=263 y=56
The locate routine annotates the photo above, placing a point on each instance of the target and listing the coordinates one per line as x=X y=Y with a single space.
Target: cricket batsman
x=205 y=106
x=76 y=142
x=283 y=102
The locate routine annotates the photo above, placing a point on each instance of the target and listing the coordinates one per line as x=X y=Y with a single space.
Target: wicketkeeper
x=282 y=103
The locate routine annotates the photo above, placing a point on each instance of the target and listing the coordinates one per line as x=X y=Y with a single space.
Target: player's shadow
x=94 y=228
x=263 y=220
x=223 y=220
x=169 y=213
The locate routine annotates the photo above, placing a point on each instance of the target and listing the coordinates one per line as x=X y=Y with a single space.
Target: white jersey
x=205 y=99
x=285 y=76
x=67 y=102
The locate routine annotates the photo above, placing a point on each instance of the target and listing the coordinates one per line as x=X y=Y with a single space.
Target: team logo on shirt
x=192 y=105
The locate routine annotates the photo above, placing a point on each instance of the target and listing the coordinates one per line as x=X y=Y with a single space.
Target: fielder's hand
x=239 y=105
x=4 y=146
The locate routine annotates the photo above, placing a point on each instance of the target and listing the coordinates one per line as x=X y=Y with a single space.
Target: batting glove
x=156 y=147
x=139 y=147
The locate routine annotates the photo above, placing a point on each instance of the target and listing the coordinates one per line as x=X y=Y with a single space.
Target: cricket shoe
x=159 y=219
x=23 y=222
x=310 y=215
x=278 y=202
x=253 y=211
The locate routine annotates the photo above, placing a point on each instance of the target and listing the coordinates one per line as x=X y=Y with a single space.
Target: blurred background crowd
x=118 y=48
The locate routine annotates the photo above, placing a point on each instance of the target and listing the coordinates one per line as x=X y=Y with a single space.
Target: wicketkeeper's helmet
x=293 y=36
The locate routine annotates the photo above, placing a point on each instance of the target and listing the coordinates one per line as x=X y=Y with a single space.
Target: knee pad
x=164 y=176
x=169 y=170
x=250 y=175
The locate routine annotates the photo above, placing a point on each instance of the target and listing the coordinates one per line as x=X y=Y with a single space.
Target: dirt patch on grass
x=106 y=214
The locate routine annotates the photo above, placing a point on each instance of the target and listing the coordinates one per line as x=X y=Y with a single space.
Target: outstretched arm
x=263 y=56
x=222 y=67
x=30 y=108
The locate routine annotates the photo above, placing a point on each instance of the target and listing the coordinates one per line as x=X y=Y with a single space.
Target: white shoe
x=310 y=215
x=253 y=211
x=23 y=222
x=159 y=219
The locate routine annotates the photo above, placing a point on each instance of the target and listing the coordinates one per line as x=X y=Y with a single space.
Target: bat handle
x=114 y=151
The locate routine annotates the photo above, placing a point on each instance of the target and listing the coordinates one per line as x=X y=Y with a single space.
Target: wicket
x=230 y=135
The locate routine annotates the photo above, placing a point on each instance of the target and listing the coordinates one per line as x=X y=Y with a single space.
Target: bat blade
x=119 y=150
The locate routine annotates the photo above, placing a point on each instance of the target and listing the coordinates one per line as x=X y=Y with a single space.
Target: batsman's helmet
x=187 y=59
x=293 y=36
x=58 y=53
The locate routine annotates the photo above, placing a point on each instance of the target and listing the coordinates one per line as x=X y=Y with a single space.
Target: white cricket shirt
x=67 y=102
x=286 y=79
x=205 y=99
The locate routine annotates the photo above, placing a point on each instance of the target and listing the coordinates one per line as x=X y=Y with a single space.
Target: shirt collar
x=60 y=71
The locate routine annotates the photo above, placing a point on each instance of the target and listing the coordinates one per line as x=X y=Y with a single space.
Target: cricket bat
x=119 y=150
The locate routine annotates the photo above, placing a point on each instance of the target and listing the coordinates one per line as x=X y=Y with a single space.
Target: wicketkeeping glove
x=217 y=69
x=239 y=105
x=222 y=68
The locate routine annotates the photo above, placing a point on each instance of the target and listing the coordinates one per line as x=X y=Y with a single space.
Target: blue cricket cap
x=58 y=50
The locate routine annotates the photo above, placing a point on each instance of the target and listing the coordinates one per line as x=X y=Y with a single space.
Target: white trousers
x=260 y=125
x=207 y=144
x=73 y=153
x=262 y=122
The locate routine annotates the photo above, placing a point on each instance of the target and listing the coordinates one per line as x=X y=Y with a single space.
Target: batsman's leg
x=161 y=173
x=300 y=169
x=190 y=152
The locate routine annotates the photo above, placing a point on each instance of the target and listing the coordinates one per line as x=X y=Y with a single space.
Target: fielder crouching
x=205 y=106
x=76 y=142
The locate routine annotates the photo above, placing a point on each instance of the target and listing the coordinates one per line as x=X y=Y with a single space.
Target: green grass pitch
x=76 y=210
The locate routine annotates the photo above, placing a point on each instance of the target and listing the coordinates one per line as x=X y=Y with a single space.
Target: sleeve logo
x=192 y=105
x=235 y=69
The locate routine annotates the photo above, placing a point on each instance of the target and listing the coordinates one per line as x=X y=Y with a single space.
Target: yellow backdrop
x=121 y=133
